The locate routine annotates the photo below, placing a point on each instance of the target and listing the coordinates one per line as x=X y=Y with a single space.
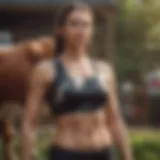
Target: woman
x=81 y=93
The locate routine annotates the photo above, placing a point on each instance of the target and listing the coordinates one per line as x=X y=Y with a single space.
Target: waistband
x=106 y=153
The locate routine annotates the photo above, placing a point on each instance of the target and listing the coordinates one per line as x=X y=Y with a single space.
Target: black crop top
x=65 y=97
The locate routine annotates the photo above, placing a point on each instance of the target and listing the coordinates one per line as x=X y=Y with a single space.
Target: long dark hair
x=62 y=16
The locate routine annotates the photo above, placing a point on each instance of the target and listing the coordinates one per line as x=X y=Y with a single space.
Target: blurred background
x=127 y=33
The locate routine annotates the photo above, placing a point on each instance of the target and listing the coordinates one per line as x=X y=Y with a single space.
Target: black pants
x=57 y=153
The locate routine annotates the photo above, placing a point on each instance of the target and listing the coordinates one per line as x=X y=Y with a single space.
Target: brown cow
x=16 y=64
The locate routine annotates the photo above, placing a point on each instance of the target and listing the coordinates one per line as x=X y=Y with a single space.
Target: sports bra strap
x=57 y=66
x=59 y=70
x=94 y=66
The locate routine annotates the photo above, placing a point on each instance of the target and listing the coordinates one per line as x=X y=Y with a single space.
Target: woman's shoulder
x=44 y=71
x=44 y=65
x=104 y=65
x=107 y=70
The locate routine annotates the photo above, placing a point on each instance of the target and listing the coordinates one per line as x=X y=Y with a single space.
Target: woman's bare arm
x=116 y=124
x=39 y=80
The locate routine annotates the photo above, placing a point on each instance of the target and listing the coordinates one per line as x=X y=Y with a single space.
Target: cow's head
x=40 y=48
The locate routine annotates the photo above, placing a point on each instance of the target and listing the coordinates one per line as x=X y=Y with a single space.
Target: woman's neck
x=75 y=53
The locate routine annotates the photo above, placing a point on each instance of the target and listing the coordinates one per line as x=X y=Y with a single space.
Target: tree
x=138 y=36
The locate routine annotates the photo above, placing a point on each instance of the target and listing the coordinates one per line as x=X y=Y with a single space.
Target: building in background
x=153 y=89
x=127 y=100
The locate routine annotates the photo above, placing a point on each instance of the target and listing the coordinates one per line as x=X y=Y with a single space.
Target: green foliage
x=146 y=145
x=148 y=149
x=138 y=32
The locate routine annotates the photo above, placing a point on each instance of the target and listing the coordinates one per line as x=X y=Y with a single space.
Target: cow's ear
x=30 y=53
x=48 y=44
x=36 y=49
x=41 y=48
x=33 y=51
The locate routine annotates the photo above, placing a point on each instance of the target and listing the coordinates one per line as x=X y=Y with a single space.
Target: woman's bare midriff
x=83 y=131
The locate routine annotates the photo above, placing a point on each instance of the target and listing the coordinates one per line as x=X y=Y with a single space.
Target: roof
x=53 y=2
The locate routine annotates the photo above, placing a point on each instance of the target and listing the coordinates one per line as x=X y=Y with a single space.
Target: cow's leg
x=7 y=139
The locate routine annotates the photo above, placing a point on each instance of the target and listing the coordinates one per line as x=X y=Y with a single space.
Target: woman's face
x=78 y=28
